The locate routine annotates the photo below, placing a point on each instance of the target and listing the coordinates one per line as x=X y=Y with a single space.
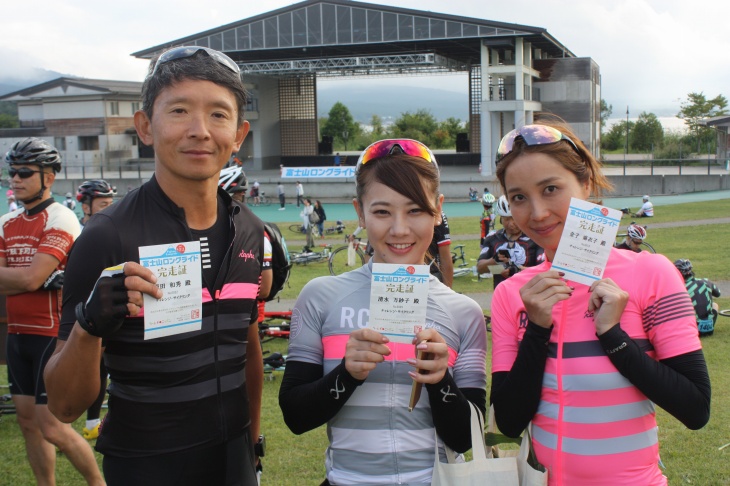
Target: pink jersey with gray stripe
x=593 y=427
x=374 y=439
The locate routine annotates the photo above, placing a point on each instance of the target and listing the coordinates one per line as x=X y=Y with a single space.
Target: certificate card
x=586 y=242
x=179 y=276
x=398 y=298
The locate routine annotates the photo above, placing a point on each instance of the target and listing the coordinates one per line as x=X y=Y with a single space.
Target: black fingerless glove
x=54 y=281
x=103 y=314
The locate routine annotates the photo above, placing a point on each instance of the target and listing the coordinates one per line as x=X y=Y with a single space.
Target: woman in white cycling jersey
x=586 y=365
x=341 y=373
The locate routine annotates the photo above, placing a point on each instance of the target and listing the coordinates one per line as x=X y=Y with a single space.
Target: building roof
x=315 y=29
x=73 y=87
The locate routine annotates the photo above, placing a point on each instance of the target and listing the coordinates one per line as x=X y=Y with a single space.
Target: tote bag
x=314 y=217
x=531 y=472
x=482 y=470
x=492 y=466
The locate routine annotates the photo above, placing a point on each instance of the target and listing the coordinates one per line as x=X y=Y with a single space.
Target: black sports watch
x=259 y=448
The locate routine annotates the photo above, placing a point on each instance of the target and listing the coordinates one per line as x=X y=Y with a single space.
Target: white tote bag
x=351 y=254
x=482 y=470
x=530 y=472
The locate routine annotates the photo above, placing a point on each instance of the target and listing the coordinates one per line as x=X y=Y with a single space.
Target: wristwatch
x=259 y=448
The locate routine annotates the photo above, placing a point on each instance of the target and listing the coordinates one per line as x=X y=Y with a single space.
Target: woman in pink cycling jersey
x=587 y=364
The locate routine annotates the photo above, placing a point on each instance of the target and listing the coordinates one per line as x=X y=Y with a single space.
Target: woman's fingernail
x=562 y=274
x=422 y=346
x=411 y=361
x=571 y=288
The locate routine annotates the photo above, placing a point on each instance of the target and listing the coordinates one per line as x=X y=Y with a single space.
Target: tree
x=340 y=125
x=378 y=130
x=647 y=132
x=420 y=126
x=695 y=109
x=8 y=121
x=606 y=111
x=615 y=138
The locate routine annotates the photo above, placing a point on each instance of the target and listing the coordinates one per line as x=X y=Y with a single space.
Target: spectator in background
x=12 y=205
x=255 y=193
x=69 y=201
x=701 y=291
x=300 y=193
x=635 y=236
x=282 y=195
x=442 y=266
x=322 y=217
x=647 y=209
x=338 y=161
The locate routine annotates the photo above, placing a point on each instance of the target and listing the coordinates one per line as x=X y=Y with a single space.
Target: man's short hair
x=200 y=66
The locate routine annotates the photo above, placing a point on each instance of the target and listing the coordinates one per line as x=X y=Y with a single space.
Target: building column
x=487 y=118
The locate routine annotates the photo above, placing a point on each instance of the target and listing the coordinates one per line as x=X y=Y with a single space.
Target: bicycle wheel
x=647 y=246
x=296 y=228
x=724 y=312
x=338 y=261
x=264 y=201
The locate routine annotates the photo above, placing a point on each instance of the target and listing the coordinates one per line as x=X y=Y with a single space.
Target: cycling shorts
x=230 y=463
x=27 y=357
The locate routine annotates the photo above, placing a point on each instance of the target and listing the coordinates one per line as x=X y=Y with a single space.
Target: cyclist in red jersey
x=34 y=243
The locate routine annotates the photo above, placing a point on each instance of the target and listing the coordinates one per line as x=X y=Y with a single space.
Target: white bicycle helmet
x=231 y=177
x=488 y=199
x=636 y=232
x=502 y=207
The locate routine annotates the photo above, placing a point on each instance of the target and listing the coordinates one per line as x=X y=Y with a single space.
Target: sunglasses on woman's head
x=190 y=51
x=406 y=146
x=531 y=135
x=23 y=172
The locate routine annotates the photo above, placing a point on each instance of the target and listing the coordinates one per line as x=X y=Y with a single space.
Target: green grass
x=691 y=457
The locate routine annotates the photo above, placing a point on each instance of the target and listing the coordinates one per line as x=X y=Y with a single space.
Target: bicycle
x=463 y=268
x=339 y=259
x=338 y=228
x=264 y=200
x=305 y=258
x=297 y=228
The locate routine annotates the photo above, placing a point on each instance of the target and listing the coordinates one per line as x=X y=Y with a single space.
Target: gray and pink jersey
x=375 y=422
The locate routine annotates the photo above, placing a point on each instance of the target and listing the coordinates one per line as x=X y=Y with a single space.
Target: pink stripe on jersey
x=597 y=471
x=239 y=291
x=334 y=348
x=206 y=295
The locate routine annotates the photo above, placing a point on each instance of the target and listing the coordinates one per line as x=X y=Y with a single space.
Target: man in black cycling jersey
x=184 y=408
x=701 y=291
x=442 y=265
x=635 y=236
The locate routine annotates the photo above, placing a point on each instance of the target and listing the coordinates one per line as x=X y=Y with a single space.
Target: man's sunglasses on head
x=189 y=51
x=23 y=172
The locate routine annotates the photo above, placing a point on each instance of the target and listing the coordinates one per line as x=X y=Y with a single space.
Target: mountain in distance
x=392 y=101
x=11 y=82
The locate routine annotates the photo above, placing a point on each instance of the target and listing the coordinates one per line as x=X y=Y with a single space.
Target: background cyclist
x=647 y=208
x=701 y=291
x=635 y=236
x=94 y=196
x=487 y=221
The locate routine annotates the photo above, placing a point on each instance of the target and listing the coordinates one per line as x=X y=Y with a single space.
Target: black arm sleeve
x=516 y=393
x=308 y=399
x=680 y=385
x=451 y=412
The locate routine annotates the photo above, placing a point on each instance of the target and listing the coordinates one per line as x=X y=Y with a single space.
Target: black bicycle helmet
x=684 y=266
x=94 y=188
x=34 y=151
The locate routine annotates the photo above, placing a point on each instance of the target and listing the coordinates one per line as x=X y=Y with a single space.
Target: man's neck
x=199 y=199
x=30 y=205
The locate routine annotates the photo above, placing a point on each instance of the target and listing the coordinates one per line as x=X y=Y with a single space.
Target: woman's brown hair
x=582 y=164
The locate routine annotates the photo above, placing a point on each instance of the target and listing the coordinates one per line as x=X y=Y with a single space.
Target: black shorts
x=27 y=357
x=228 y=464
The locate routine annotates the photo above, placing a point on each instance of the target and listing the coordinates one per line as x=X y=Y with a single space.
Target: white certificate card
x=586 y=242
x=398 y=298
x=179 y=276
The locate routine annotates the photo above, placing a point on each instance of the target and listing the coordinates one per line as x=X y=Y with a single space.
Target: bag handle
x=479 y=451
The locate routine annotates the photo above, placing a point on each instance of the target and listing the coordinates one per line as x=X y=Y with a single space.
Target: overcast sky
x=651 y=53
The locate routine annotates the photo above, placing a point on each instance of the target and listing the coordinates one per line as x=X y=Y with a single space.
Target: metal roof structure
x=347 y=38
x=100 y=86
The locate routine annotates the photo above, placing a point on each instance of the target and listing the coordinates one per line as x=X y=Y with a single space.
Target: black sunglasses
x=23 y=172
x=189 y=51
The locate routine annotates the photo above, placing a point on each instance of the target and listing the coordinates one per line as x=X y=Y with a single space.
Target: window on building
x=59 y=143
x=89 y=143
x=114 y=106
x=135 y=107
